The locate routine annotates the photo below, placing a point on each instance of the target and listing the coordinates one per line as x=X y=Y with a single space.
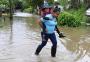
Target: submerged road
x=20 y=45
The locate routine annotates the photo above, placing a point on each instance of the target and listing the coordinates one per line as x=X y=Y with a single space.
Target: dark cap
x=56 y=9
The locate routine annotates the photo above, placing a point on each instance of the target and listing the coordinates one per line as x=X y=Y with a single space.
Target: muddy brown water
x=20 y=44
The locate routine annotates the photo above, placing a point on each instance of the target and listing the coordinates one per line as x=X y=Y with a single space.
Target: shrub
x=79 y=14
x=28 y=9
x=68 y=19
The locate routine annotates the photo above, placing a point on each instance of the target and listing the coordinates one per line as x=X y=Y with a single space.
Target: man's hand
x=61 y=35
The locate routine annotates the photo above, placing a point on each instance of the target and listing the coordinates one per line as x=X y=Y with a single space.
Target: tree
x=75 y=4
x=36 y=3
x=87 y=3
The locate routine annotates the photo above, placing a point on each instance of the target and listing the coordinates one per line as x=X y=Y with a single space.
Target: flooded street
x=20 y=44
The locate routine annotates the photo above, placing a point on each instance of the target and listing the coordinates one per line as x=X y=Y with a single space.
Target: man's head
x=56 y=12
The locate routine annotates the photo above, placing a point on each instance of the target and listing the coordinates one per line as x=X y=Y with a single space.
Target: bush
x=68 y=19
x=79 y=14
x=28 y=9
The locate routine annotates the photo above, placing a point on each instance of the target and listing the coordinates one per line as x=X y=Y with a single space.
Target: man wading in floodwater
x=48 y=24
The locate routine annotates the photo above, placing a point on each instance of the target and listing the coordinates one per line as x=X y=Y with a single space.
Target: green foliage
x=63 y=2
x=28 y=9
x=4 y=3
x=35 y=3
x=51 y=1
x=79 y=13
x=68 y=19
x=25 y=3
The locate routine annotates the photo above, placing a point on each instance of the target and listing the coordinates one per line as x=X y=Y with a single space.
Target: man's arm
x=57 y=29
x=40 y=23
x=59 y=33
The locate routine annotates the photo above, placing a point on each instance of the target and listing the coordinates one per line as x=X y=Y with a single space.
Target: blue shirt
x=50 y=24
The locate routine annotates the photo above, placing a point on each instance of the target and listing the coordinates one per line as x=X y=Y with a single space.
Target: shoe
x=53 y=56
x=53 y=51
x=36 y=53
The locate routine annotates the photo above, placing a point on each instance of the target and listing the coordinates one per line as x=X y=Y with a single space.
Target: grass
x=79 y=14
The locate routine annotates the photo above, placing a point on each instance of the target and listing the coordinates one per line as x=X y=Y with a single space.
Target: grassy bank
x=72 y=17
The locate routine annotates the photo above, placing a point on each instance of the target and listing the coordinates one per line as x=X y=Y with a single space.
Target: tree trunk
x=87 y=3
x=75 y=4
x=11 y=9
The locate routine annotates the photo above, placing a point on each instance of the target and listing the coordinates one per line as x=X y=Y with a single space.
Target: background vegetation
x=73 y=15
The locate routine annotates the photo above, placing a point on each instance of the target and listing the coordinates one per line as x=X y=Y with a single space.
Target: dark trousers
x=45 y=38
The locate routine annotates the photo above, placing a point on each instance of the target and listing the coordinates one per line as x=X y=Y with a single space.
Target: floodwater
x=19 y=42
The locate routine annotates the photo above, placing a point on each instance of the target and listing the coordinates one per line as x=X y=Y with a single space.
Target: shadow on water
x=19 y=43
x=6 y=28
